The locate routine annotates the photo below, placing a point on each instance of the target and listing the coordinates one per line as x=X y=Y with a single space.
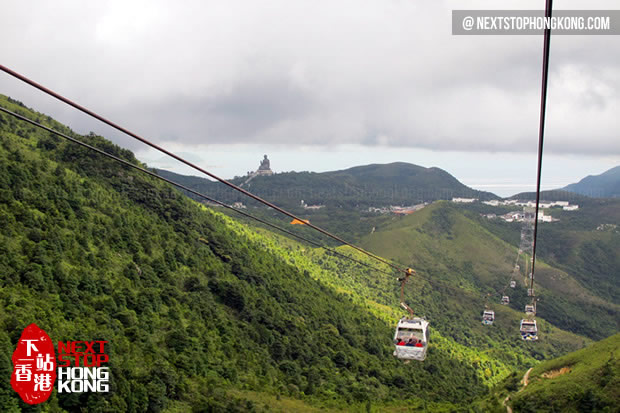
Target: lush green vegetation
x=446 y=244
x=584 y=244
x=204 y=312
x=192 y=303
x=587 y=380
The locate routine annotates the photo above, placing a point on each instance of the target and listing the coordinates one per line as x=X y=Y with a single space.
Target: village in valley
x=519 y=216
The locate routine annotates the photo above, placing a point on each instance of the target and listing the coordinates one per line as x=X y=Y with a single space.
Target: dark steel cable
x=190 y=164
x=127 y=163
x=541 y=132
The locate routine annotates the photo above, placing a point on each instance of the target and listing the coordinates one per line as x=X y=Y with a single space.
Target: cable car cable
x=541 y=130
x=127 y=163
x=188 y=163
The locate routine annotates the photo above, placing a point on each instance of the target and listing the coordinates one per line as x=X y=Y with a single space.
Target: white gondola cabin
x=530 y=309
x=513 y=284
x=411 y=339
x=530 y=292
x=529 y=332
x=505 y=300
x=488 y=316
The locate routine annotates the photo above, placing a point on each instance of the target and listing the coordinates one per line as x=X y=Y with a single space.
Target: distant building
x=311 y=207
x=406 y=210
x=464 y=200
x=519 y=216
x=546 y=218
x=382 y=210
x=398 y=210
x=528 y=204
x=239 y=205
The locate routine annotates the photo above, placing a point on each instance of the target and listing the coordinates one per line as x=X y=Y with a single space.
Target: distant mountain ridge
x=397 y=183
x=605 y=185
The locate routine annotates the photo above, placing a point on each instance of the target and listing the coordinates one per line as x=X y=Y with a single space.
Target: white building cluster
x=311 y=207
x=518 y=216
x=543 y=204
x=398 y=210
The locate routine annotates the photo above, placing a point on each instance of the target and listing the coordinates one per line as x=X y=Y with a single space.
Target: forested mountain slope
x=190 y=308
x=202 y=312
x=376 y=185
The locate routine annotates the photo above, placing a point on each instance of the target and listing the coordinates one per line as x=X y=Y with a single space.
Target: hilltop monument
x=264 y=168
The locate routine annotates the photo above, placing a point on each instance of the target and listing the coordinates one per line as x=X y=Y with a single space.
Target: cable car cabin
x=513 y=284
x=411 y=339
x=517 y=267
x=529 y=309
x=505 y=300
x=529 y=332
x=488 y=316
x=530 y=292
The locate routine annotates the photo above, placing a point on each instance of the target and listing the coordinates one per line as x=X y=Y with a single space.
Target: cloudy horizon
x=323 y=86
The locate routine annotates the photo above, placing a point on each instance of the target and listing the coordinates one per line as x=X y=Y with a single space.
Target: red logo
x=82 y=366
x=34 y=366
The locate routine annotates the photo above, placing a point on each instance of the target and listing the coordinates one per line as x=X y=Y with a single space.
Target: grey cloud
x=378 y=73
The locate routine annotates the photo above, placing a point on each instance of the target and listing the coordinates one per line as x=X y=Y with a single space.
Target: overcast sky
x=323 y=85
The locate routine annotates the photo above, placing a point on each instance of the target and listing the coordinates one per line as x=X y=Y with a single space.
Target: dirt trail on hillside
x=526 y=378
x=524 y=381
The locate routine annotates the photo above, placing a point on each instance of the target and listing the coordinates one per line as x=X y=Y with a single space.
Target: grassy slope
x=454 y=313
x=587 y=380
x=584 y=243
x=375 y=293
x=443 y=244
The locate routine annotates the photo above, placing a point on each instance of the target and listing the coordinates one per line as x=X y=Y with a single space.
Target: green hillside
x=193 y=306
x=587 y=380
x=446 y=245
x=205 y=313
x=397 y=183
x=583 y=243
